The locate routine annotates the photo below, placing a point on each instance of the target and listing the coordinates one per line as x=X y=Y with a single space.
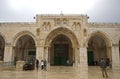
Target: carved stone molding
x=61 y=22
x=46 y=26
x=76 y=26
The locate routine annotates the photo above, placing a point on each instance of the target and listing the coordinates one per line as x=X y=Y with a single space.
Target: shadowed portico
x=61 y=39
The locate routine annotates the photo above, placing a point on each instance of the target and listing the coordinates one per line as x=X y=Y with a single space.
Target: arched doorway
x=61 y=51
x=62 y=39
x=97 y=49
x=2 y=47
x=25 y=49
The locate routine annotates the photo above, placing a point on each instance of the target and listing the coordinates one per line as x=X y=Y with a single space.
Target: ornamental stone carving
x=61 y=22
x=76 y=26
x=46 y=26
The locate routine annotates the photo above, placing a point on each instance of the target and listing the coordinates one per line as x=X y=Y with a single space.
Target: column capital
x=43 y=46
x=8 y=44
x=116 y=45
x=39 y=46
x=47 y=46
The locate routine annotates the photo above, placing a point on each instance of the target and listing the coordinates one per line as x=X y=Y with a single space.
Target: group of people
x=108 y=62
x=42 y=64
x=102 y=64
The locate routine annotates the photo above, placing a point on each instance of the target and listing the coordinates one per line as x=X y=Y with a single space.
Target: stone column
x=44 y=54
x=47 y=56
x=115 y=57
x=83 y=56
x=109 y=53
x=73 y=57
x=8 y=53
x=83 y=68
x=76 y=56
x=39 y=52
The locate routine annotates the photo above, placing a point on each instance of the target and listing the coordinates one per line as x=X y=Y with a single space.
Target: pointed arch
x=98 y=47
x=107 y=39
x=62 y=30
x=24 y=47
x=3 y=36
x=64 y=40
x=20 y=34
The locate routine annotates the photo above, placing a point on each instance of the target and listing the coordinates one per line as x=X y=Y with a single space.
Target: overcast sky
x=24 y=10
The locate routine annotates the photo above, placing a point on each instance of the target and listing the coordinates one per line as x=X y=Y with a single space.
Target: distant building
x=58 y=38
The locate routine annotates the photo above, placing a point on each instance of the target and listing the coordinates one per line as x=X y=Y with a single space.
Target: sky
x=107 y=11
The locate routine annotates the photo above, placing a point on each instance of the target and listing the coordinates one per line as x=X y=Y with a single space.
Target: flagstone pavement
x=58 y=72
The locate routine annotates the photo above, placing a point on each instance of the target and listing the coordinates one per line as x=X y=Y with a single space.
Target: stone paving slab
x=58 y=73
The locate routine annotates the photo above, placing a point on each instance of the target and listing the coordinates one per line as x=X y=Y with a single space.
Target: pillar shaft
x=8 y=53
x=39 y=52
x=47 y=56
x=83 y=56
x=83 y=67
x=115 y=57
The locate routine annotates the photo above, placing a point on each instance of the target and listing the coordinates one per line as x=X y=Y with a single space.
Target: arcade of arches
x=61 y=40
x=61 y=50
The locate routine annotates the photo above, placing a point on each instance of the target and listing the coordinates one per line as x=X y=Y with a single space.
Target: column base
x=82 y=70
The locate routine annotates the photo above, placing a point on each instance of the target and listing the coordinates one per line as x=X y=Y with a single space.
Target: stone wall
x=47 y=26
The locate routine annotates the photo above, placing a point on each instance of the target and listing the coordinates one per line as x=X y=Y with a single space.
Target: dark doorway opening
x=31 y=57
x=90 y=58
x=60 y=54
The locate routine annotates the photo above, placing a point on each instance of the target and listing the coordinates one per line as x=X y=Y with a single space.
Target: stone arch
x=20 y=34
x=2 y=46
x=3 y=36
x=103 y=35
x=98 y=47
x=60 y=38
x=61 y=30
x=24 y=47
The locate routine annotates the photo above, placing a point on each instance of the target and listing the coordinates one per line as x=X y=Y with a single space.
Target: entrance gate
x=60 y=54
x=90 y=58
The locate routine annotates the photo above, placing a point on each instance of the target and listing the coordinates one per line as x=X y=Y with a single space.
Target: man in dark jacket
x=37 y=64
x=103 y=66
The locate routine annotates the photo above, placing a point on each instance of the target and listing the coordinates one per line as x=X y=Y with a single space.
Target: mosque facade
x=60 y=40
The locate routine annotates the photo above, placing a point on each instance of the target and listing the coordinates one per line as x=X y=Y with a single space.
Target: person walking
x=42 y=64
x=103 y=66
x=45 y=65
x=37 y=64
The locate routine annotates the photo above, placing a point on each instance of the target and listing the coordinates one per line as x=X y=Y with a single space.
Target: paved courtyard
x=58 y=72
